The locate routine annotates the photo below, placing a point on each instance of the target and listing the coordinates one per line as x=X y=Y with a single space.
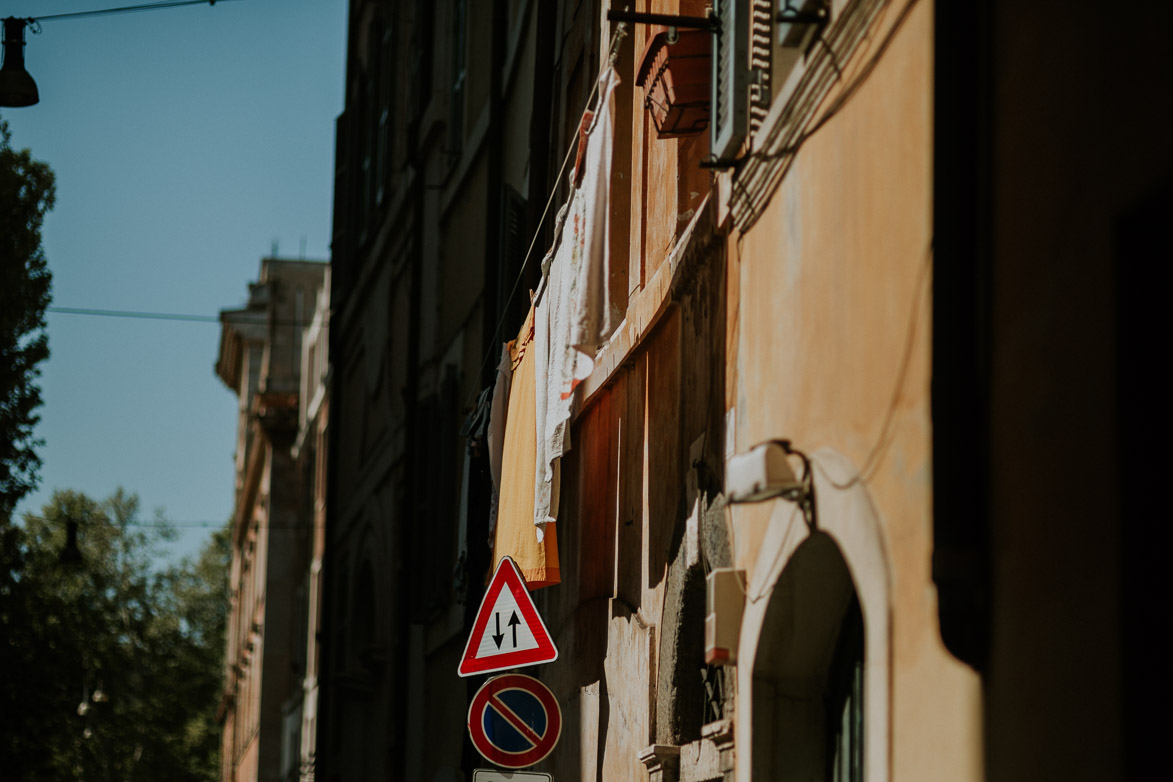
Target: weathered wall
x=829 y=309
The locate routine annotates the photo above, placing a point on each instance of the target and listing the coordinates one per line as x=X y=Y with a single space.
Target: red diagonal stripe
x=517 y=722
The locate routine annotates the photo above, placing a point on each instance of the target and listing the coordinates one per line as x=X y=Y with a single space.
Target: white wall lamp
x=764 y=472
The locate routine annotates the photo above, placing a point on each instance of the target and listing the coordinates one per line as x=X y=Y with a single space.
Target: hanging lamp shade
x=17 y=88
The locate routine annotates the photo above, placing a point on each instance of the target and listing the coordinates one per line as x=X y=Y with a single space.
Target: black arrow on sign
x=513 y=622
x=500 y=635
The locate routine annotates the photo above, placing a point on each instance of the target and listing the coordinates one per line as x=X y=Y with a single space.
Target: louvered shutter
x=730 y=77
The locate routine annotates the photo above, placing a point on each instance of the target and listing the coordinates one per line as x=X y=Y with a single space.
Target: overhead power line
x=174 y=316
x=126 y=9
x=166 y=523
x=134 y=314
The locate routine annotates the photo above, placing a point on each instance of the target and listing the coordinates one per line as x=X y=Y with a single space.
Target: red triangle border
x=506 y=575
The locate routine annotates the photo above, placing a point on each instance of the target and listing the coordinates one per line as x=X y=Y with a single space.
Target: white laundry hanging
x=573 y=318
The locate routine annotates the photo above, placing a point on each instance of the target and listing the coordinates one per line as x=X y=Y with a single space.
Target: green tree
x=27 y=193
x=117 y=662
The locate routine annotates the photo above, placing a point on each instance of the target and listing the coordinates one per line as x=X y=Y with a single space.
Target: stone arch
x=804 y=578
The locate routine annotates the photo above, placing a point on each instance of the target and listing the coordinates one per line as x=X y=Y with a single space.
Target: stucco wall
x=829 y=305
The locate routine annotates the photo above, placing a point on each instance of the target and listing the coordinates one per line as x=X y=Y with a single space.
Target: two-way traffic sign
x=507 y=633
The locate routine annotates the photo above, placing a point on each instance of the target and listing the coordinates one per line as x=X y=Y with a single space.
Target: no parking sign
x=514 y=720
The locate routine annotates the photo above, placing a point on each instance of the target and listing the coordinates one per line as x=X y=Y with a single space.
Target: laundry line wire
x=612 y=56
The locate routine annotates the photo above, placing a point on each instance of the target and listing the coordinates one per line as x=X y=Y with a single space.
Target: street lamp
x=17 y=87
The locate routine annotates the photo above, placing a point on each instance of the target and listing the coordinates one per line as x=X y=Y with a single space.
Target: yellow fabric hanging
x=516 y=535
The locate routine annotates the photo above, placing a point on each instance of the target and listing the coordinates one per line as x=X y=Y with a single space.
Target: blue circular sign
x=514 y=720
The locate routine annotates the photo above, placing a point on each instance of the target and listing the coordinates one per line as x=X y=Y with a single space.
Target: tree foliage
x=114 y=665
x=27 y=193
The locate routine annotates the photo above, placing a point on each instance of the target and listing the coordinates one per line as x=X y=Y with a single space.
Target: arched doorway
x=808 y=671
x=814 y=668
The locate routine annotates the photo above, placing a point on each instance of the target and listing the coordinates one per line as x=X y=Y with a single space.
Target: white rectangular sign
x=488 y=775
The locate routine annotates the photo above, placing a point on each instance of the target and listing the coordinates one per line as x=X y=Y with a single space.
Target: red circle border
x=480 y=702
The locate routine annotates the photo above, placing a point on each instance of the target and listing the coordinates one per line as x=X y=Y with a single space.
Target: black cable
x=126 y=9
x=165 y=524
x=175 y=316
x=133 y=314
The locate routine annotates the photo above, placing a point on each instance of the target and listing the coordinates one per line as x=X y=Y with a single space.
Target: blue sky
x=186 y=142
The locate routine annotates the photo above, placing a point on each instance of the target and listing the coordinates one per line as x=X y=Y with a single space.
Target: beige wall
x=831 y=312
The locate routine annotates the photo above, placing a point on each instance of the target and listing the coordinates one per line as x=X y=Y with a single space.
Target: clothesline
x=528 y=426
x=612 y=56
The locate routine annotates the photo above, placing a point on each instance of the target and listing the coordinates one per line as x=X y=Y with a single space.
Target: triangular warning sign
x=507 y=633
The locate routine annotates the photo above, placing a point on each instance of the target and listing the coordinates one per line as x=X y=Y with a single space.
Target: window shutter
x=761 y=31
x=730 y=77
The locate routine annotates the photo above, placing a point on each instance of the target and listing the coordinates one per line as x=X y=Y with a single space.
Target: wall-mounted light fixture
x=764 y=473
x=761 y=473
x=17 y=87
